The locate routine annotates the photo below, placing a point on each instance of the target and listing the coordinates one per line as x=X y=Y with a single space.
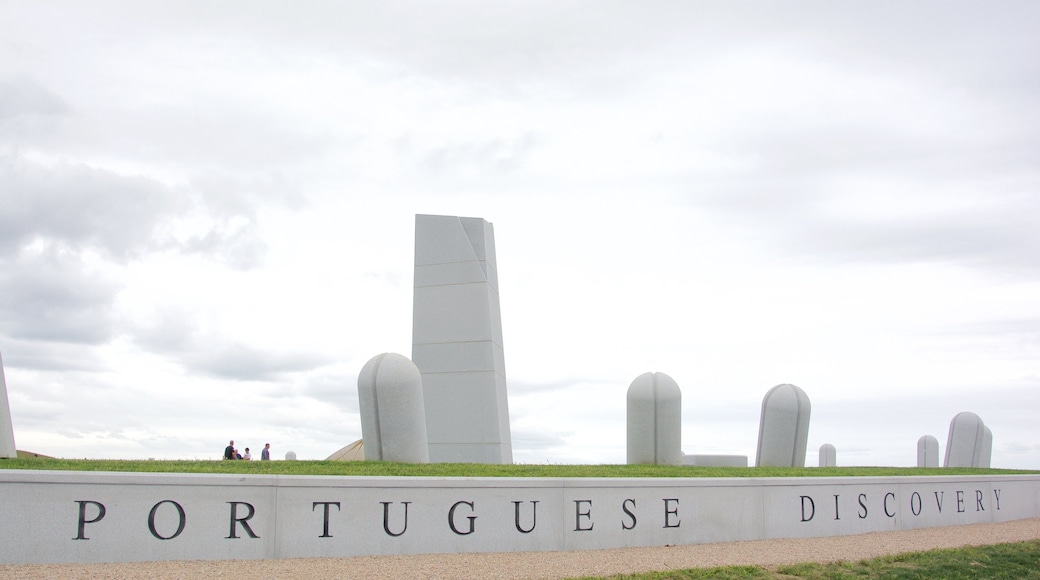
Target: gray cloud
x=22 y=96
x=528 y=441
x=176 y=335
x=50 y=355
x=1004 y=243
x=53 y=296
x=78 y=206
x=241 y=362
x=339 y=390
x=523 y=387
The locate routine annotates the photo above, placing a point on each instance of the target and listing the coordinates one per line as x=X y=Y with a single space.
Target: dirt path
x=523 y=565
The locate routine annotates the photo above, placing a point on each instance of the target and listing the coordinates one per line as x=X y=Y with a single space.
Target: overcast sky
x=207 y=216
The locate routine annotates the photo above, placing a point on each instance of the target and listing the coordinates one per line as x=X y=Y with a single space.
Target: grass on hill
x=384 y=469
x=999 y=561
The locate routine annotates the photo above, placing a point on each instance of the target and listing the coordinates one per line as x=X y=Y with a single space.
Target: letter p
x=83 y=521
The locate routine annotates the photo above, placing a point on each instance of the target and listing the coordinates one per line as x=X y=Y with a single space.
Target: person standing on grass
x=265 y=455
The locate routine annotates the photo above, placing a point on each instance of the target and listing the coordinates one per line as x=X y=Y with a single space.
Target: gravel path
x=766 y=553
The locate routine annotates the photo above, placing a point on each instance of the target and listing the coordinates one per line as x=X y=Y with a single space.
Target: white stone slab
x=7 y=447
x=927 y=451
x=393 y=417
x=447 y=357
x=964 y=442
x=783 y=428
x=654 y=420
x=828 y=456
x=457 y=340
x=55 y=516
x=986 y=451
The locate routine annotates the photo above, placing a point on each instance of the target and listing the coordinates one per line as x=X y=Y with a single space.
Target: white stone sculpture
x=654 y=420
x=783 y=430
x=828 y=455
x=966 y=440
x=7 y=448
x=986 y=452
x=457 y=340
x=393 y=417
x=290 y=456
x=927 y=451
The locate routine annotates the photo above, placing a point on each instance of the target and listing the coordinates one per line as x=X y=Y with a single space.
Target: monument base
x=61 y=516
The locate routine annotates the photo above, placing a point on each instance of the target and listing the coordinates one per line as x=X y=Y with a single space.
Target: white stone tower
x=7 y=448
x=457 y=340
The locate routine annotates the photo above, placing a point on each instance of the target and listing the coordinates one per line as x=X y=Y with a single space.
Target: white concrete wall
x=54 y=516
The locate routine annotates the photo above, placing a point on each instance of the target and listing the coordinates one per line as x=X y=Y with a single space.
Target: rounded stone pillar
x=927 y=451
x=393 y=415
x=828 y=455
x=985 y=454
x=654 y=420
x=290 y=456
x=965 y=441
x=783 y=430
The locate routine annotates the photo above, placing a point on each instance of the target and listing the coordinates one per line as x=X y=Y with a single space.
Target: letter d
x=812 y=508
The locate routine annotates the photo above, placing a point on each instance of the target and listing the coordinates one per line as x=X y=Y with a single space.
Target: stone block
x=927 y=451
x=986 y=450
x=654 y=420
x=457 y=340
x=783 y=429
x=828 y=456
x=393 y=416
x=965 y=441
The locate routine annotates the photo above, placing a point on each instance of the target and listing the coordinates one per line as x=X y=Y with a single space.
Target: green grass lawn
x=999 y=561
x=381 y=468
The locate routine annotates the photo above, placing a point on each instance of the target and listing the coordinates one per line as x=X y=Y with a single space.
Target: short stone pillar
x=290 y=456
x=986 y=453
x=828 y=455
x=965 y=441
x=393 y=415
x=783 y=430
x=654 y=420
x=7 y=448
x=927 y=451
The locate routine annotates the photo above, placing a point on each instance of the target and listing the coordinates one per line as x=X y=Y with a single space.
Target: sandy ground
x=766 y=553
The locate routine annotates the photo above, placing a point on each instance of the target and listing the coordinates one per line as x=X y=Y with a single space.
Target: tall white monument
x=7 y=448
x=457 y=340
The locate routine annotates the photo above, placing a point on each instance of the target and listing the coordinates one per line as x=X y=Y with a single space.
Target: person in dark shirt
x=229 y=451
